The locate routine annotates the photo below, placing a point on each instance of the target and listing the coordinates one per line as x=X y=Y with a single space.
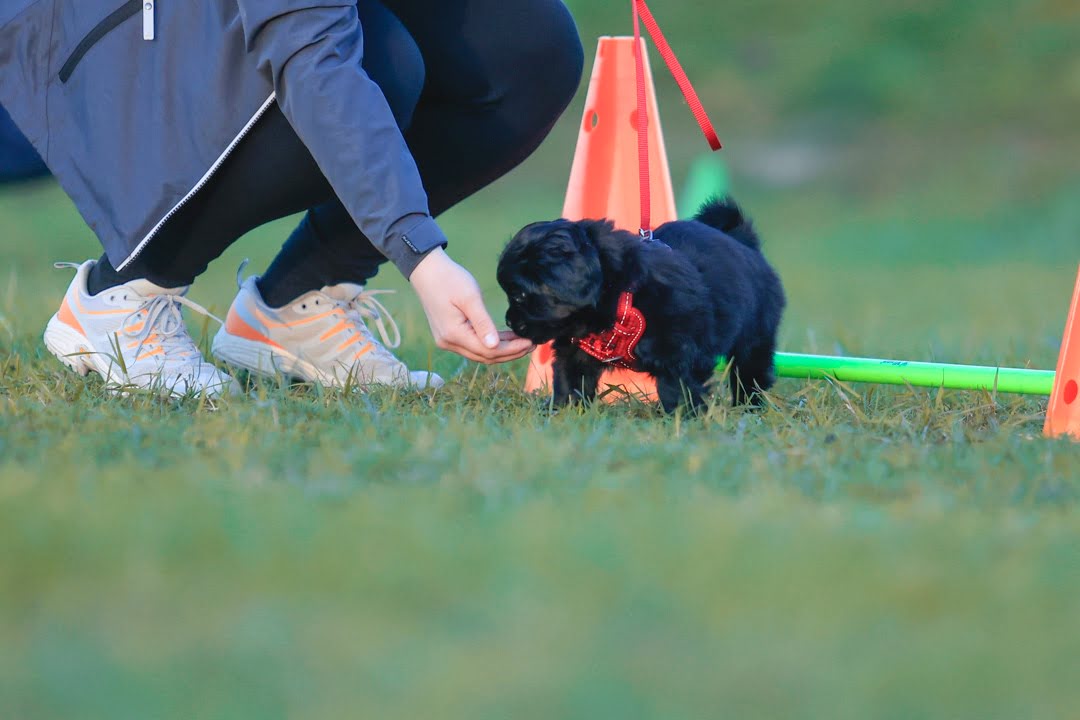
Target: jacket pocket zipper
x=148 y=20
x=103 y=28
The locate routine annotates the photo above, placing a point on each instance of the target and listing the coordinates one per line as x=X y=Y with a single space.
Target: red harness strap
x=642 y=131
x=616 y=345
x=642 y=10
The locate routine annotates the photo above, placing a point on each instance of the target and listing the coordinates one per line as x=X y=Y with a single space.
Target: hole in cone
x=1069 y=396
x=592 y=119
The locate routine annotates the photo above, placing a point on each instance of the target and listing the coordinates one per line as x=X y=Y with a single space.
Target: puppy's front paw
x=574 y=381
x=559 y=400
x=675 y=392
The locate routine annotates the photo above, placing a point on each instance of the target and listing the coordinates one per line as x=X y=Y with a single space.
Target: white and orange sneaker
x=134 y=336
x=320 y=337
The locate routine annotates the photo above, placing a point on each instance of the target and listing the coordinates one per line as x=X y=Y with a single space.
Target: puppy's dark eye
x=520 y=297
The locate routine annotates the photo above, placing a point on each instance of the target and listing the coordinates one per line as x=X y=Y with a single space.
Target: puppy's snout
x=514 y=322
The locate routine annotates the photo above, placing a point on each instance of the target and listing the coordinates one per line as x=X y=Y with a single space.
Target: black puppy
x=669 y=307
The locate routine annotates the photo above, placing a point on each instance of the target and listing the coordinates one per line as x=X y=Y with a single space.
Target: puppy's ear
x=611 y=244
x=597 y=230
x=581 y=267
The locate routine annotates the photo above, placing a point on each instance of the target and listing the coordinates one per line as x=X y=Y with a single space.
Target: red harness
x=615 y=346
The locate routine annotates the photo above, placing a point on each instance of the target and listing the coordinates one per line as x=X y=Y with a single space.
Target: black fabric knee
x=496 y=86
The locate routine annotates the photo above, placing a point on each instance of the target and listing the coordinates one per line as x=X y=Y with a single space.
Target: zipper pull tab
x=148 y=20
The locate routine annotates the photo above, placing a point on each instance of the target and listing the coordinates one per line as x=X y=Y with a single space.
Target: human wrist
x=429 y=266
x=416 y=237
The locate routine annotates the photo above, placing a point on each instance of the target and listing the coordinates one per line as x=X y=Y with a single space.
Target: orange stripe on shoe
x=137 y=327
x=235 y=325
x=67 y=317
x=146 y=342
x=363 y=351
x=296 y=323
x=351 y=341
x=151 y=353
x=333 y=331
x=84 y=311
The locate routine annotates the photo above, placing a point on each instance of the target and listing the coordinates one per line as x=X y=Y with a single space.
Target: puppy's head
x=553 y=276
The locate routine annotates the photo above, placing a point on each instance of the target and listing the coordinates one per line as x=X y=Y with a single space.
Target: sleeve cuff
x=411 y=239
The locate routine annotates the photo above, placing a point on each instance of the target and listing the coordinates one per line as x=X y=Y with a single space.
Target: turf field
x=849 y=552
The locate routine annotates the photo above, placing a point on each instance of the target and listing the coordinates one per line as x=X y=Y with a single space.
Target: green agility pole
x=919 y=374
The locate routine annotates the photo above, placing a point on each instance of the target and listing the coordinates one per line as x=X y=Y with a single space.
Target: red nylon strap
x=642 y=130
x=679 y=74
x=642 y=10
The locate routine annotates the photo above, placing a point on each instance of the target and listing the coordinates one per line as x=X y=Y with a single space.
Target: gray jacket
x=132 y=127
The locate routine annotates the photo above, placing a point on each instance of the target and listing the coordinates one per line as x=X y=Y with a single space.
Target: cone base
x=634 y=385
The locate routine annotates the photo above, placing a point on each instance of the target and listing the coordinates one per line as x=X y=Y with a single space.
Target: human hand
x=455 y=311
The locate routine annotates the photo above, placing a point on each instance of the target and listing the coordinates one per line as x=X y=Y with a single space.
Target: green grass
x=849 y=552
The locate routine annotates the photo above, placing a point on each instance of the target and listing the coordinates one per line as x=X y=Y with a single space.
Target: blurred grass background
x=852 y=552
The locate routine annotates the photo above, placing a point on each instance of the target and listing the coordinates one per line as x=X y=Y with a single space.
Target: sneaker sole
x=265 y=361
x=270 y=362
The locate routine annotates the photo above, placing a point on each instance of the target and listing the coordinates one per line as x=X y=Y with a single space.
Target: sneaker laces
x=159 y=322
x=369 y=308
x=378 y=359
x=365 y=307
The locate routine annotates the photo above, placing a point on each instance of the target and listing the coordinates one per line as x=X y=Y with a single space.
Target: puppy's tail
x=726 y=216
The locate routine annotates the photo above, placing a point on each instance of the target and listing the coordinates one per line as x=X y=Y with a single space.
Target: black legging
x=461 y=79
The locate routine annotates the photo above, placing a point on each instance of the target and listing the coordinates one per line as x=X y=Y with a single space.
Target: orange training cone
x=1063 y=414
x=604 y=178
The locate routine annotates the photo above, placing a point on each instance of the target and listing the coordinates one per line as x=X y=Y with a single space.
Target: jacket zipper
x=103 y=28
x=148 y=20
x=202 y=182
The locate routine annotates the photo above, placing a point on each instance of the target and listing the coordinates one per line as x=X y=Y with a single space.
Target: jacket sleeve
x=312 y=49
